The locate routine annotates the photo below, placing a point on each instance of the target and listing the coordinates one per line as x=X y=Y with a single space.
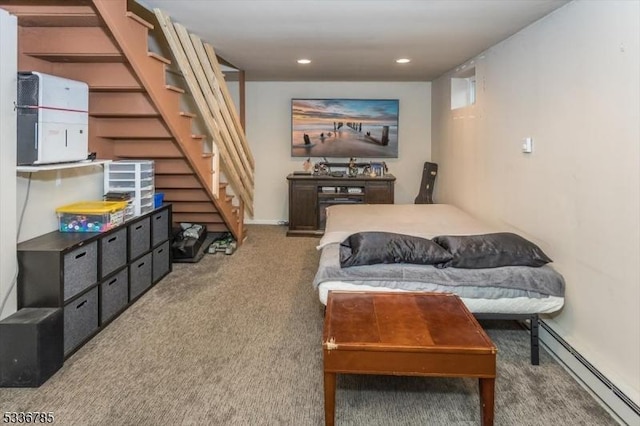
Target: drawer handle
x=80 y=305
x=141 y=265
x=160 y=251
x=112 y=239
x=80 y=255
x=113 y=281
x=138 y=227
x=159 y=217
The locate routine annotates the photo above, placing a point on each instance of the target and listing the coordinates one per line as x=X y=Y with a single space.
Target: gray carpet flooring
x=236 y=340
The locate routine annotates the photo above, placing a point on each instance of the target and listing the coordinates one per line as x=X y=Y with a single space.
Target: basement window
x=463 y=88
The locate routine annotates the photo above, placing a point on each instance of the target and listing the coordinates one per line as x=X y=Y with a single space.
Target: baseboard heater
x=627 y=410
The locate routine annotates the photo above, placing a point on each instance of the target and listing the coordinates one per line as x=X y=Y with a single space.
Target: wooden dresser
x=310 y=195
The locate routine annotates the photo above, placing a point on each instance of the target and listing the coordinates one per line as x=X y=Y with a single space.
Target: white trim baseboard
x=619 y=405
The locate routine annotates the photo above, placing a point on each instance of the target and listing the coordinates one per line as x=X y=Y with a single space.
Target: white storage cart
x=135 y=177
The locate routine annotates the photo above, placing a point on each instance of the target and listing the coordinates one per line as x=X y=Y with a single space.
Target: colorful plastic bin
x=90 y=216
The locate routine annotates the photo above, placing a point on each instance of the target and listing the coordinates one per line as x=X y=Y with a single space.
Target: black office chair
x=429 y=172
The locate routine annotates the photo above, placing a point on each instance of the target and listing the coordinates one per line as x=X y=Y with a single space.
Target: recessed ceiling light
x=403 y=60
x=304 y=61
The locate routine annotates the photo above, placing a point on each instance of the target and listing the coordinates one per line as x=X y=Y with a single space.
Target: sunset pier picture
x=344 y=128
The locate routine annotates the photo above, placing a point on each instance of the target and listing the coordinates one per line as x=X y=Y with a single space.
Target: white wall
x=52 y=189
x=8 y=67
x=268 y=128
x=570 y=81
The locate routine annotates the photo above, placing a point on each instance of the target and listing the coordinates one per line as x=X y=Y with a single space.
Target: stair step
x=75 y=44
x=38 y=15
x=193 y=207
x=174 y=89
x=215 y=227
x=149 y=149
x=139 y=20
x=159 y=58
x=188 y=114
x=190 y=195
x=116 y=88
x=177 y=181
x=90 y=58
x=198 y=136
x=118 y=104
x=100 y=76
x=223 y=185
x=207 y=155
x=172 y=167
x=132 y=128
x=213 y=218
x=127 y=114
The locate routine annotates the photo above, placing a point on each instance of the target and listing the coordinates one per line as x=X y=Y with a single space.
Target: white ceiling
x=352 y=40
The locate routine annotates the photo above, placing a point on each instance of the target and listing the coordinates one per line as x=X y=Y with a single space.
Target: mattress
x=504 y=305
x=530 y=293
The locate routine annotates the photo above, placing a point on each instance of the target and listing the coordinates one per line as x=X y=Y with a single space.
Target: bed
x=511 y=292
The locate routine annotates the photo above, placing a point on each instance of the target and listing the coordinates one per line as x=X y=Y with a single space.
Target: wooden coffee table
x=405 y=334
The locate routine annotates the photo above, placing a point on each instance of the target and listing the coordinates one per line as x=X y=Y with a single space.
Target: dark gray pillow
x=491 y=251
x=369 y=248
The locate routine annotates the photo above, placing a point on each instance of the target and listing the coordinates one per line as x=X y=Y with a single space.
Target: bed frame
x=534 y=322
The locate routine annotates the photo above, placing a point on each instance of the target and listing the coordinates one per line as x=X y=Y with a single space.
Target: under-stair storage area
x=94 y=276
x=151 y=87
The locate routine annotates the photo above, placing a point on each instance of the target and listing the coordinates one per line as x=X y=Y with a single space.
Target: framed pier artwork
x=362 y=128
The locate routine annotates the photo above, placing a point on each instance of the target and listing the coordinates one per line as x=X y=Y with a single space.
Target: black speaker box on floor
x=31 y=347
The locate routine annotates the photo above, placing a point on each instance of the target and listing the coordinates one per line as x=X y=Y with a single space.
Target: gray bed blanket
x=491 y=283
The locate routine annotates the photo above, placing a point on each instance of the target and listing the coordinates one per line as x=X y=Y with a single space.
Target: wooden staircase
x=135 y=113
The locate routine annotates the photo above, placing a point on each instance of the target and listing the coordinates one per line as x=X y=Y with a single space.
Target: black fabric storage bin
x=80 y=269
x=159 y=227
x=80 y=319
x=114 y=295
x=161 y=261
x=140 y=276
x=114 y=252
x=139 y=237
